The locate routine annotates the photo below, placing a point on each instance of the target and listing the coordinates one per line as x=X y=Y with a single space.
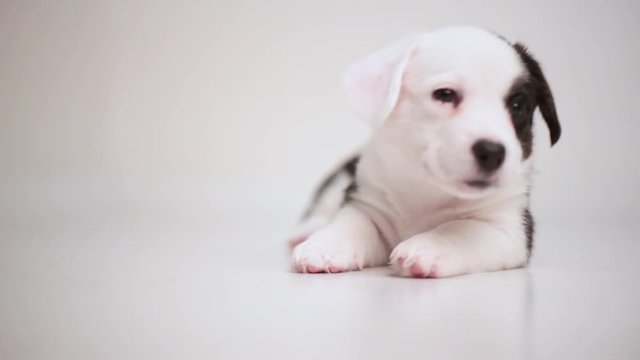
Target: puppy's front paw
x=426 y=256
x=322 y=252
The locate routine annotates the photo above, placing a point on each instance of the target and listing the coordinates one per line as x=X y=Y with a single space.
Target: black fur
x=534 y=91
x=522 y=92
x=348 y=193
x=353 y=187
x=350 y=165
x=529 y=225
x=349 y=168
x=543 y=96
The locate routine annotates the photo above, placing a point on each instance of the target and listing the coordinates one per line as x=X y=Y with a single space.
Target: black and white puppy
x=442 y=187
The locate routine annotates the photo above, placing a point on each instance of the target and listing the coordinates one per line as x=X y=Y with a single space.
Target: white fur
x=413 y=207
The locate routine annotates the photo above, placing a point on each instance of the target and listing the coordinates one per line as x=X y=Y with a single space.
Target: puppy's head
x=461 y=100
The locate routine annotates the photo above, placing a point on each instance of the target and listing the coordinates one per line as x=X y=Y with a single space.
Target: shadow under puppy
x=442 y=187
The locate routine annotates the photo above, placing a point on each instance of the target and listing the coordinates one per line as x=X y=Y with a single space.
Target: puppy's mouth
x=479 y=184
x=482 y=184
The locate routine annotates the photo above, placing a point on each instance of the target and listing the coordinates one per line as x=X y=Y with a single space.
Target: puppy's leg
x=460 y=247
x=350 y=242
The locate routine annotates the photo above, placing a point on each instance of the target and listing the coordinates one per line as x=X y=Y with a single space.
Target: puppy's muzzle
x=489 y=155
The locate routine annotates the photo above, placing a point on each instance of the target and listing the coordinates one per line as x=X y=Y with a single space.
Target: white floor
x=127 y=285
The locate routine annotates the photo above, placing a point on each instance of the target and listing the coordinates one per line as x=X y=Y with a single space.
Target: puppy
x=442 y=187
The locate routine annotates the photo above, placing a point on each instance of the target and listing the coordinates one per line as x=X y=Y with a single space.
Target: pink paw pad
x=416 y=270
x=314 y=270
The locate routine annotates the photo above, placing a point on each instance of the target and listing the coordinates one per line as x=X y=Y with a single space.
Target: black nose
x=488 y=154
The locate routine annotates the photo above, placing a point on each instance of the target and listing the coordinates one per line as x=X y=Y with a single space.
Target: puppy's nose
x=489 y=155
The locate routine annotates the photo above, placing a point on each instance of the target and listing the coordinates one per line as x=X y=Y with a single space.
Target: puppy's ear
x=373 y=84
x=544 y=97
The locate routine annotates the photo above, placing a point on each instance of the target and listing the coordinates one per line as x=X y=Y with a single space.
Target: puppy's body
x=442 y=187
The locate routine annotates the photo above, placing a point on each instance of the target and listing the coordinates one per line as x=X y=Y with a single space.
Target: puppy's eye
x=446 y=95
x=517 y=104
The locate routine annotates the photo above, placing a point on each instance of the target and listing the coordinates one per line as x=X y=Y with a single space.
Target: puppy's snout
x=489 y=155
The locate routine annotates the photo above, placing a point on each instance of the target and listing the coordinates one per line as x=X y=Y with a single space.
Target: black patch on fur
x=348 y=193
x=348 y=167
x=351 y=165
x=543 y=96
x=522 y=94
x=353 y=187
x=529 y=225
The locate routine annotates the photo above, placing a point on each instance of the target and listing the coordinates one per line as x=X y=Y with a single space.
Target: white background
x=147 y=144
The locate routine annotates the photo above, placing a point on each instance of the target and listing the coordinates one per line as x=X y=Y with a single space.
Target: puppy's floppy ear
x=373 y=84
x=544 y=97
